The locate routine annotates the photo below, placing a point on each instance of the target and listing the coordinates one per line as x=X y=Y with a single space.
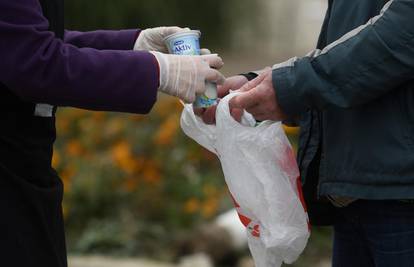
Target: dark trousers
x=374 y=233
x=31 y=222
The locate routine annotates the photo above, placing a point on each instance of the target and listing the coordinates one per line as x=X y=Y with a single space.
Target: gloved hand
x=185 y=76
x=152 y=39
x=233 y=83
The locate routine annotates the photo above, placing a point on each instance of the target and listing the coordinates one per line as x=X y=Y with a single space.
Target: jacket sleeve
x=363 y=65
x=103 y=39
x=40 y=68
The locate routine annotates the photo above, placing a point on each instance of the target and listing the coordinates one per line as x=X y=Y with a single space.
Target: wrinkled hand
x=259 y=99
x=233 y=83
x=185 y=76
x=152 y=39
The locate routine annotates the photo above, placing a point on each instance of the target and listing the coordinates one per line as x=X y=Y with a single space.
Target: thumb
x=213 y=60
x=205 y=51
x=215 y=76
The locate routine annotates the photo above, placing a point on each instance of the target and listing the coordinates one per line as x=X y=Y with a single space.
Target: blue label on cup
x=202 y=101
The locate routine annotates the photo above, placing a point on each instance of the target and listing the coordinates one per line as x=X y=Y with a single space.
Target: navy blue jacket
x=355 y=98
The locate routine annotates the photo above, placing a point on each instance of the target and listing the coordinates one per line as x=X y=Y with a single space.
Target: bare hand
x=259 y=99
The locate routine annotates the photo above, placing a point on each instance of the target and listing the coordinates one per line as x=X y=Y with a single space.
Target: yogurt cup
x=184 y=43
x=188 y=43
x=208 y=98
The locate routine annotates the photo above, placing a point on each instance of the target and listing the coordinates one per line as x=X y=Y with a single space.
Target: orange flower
x=191 y=206
x=98 y=116
x=66 y=176
x=151 y=173
x=74 y=148
x=121 y=151
x=55 y=159
x=123 y=157
x=210 y=207
x=167 y=130
x=62 y=126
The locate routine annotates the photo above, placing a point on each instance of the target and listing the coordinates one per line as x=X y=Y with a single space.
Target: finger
x=205 y=51
x=236 y=113
x=253 y=83
x=213 y=60
x=199 y=111
x=244 y=100
x=209 y=116
x=215 y=76
x=257 y=109
x=223 y=89
x=173 y=29
x=188 y=97
x=232 y=83
x=263 y=71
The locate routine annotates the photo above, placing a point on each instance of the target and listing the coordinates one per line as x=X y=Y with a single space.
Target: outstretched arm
x=43 y=69
x=103 y=39
x=363 y=65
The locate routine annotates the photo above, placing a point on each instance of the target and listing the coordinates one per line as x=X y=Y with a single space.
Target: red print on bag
x=252 y=226
x=287 y=164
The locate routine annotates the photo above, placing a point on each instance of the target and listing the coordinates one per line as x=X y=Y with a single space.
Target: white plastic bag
x=263 y=178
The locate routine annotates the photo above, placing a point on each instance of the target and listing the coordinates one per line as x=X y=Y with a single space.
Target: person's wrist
x=161 y=62
x=138 y=32
x=136 y=44
x=141 y=42
x=157 y=64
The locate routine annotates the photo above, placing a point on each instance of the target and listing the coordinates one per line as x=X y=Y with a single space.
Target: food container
x=184 y=43
x=188 y=43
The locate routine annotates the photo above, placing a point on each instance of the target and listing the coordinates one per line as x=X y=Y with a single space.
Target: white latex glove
x=153 y=39
x=186 y=76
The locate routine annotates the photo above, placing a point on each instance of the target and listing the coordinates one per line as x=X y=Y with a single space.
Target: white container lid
x=182 y=34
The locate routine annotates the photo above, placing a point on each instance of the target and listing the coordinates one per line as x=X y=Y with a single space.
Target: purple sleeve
x=40 y=68
x=114 y=40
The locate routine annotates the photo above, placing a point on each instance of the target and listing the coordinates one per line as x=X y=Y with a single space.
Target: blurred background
x=138 y=192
